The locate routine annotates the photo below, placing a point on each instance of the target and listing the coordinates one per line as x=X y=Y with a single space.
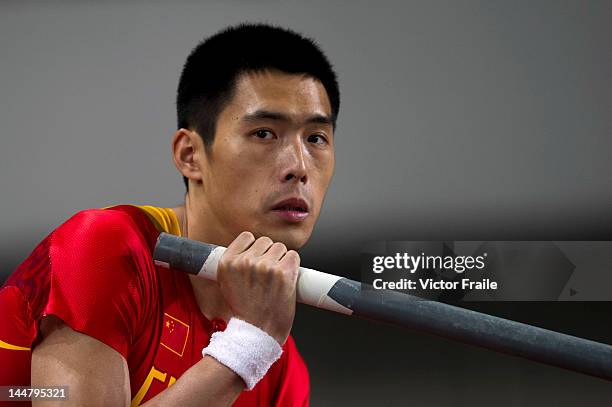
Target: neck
x=198 y=222
x=193 y=226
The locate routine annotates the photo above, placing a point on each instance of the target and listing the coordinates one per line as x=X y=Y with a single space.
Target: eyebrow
x=278 y=116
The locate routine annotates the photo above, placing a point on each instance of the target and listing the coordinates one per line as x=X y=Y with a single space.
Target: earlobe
x=184 y=150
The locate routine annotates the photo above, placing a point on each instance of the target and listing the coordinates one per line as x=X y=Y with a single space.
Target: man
x=257 y=107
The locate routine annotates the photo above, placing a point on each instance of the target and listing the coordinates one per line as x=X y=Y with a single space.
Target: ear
x=186 y=151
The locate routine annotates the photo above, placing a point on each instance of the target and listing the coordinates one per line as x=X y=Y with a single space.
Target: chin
x=293 y=239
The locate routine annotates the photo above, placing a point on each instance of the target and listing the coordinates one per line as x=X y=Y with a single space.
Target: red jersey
x=96 y=273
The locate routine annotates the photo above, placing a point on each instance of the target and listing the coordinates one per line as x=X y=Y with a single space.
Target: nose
x=294 y=160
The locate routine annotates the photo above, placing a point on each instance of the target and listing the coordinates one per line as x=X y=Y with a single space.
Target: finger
x=240 y=243
x=290 y=261
x=276 y=251
x=260 y=246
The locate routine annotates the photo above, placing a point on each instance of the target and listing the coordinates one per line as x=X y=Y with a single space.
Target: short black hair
x=212 y=68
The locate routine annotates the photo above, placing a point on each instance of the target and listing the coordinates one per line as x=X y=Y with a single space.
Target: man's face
x=272 y=158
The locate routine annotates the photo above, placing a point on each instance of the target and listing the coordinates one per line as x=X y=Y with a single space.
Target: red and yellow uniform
x=96 y=273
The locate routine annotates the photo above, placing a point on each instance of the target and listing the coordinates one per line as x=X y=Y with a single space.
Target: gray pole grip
x=201 y=259
x=346 y=296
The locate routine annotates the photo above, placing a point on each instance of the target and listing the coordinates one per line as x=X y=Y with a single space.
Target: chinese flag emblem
x=174 y=334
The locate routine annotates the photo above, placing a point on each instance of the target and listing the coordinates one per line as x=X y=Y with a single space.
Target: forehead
x=294 y=94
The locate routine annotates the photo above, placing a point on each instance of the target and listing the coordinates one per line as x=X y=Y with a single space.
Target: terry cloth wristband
x=245 y=349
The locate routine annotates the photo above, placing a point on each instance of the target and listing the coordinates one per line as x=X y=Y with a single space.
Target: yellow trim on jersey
x=164 y=218
x=6 y=345
x=153 y=374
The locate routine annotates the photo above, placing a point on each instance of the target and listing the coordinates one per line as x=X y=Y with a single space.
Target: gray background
x=460 y=120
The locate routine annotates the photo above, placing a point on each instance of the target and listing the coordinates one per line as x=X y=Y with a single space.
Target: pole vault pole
x=345 y=296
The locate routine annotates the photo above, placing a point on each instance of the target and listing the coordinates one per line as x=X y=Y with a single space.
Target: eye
x=317 y=139
x=263 y=134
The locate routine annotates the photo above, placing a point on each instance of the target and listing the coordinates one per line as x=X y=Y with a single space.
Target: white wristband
x=245 y=349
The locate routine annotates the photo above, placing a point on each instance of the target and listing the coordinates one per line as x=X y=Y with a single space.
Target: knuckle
x=225 y=262
x=245 y=262
x=246 y=235
x=234 y=264
x=280 y=245
x=264 y=265
x=265 y=239
x=295 y=255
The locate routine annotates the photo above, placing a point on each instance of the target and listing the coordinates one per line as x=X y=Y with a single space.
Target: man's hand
x=258 y=280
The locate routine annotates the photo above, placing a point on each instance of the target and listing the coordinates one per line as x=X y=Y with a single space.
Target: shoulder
x=110 y=231
x=102 y=254
x=103 y=281
x=97 y=223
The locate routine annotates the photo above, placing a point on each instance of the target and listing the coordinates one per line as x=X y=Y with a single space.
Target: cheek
x=237 y=189
x=325 y=170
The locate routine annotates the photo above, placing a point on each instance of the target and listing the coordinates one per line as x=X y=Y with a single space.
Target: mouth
x=292 y=210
